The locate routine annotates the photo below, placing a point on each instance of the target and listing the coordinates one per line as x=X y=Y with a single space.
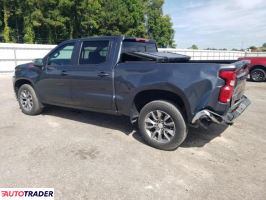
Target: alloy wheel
x=160 y=126
x=257 y=75
x=26 y=100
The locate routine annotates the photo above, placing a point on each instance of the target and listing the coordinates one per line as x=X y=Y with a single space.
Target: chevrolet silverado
x=164 y=93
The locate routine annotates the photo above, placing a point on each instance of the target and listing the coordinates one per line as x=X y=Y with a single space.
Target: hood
x=24 y=66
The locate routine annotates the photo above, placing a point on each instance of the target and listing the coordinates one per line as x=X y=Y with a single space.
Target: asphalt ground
x=86 y=155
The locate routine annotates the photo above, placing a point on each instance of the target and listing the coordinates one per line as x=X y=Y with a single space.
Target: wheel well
x=142 y=98
x=258 y=67
x=19 y=83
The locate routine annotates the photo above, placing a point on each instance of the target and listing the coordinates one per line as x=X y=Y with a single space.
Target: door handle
x=103 y=74
x=64 y=73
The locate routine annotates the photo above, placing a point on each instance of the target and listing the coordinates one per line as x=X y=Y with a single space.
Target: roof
x=111 y=37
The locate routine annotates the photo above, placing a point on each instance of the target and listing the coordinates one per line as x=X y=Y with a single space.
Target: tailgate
x=241 y=76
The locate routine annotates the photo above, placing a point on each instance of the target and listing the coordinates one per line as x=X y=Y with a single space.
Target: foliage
x=52 y=21
x=159 y=25
x=194 y=47
x=258 y=49
x=6 y=32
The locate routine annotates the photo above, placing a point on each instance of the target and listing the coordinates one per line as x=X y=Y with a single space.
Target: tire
x=28 y=100
x=151 y=132
x=258 y=75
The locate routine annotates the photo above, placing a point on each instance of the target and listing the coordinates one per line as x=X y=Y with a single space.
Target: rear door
x=92 y=83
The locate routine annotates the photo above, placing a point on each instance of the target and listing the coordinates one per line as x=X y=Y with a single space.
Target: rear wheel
x=162 y=125
x=28 y=100
x=258 y=75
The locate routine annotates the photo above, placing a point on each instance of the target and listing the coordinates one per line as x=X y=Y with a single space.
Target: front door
x=54 y=85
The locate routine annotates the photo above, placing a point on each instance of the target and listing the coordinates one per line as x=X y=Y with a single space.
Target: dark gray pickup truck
x=163 y=92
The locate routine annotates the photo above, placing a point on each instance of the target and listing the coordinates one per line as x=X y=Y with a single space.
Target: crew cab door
x=92 y=84
x=54 y=84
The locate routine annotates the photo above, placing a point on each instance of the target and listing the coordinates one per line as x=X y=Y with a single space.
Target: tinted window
x=94 y=52
x=138 y=47
x=62 y=55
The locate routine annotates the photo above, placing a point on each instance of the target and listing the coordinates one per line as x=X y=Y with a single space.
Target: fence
x=214 y=54
x=14 y=54
x=208 y=54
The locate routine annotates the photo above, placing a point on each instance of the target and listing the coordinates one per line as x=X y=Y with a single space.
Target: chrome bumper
x=234 y=112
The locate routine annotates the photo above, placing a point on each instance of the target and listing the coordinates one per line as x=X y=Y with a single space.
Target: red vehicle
x=257 y=68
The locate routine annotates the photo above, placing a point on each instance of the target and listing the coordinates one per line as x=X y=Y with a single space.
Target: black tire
x=36 y=107
x=167 y=109
x=258 y=75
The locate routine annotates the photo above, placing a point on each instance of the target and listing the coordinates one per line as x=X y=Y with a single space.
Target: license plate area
x=238 y=109
x=238 y=91
x=241 y=108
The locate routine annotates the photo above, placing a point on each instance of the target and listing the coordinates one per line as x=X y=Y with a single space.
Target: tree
x=159 y=26
x=1 y=21
x=29 y=36
x=6 y=32
x=253 y=48
x=52 y=21
x=264 y=45
x=195 y=47
x=121 y=17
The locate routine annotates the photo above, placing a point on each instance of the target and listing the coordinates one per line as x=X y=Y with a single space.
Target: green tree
x=6 y=32
x=121 y=17
x=264 y=45
x=159 y=26
x=253 y=48
x=52 y=21
x=195 y=47
x=1 y=21
x=29 y=35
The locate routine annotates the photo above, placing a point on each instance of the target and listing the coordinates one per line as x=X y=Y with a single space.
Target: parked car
x=163 y=92
x=257 y=68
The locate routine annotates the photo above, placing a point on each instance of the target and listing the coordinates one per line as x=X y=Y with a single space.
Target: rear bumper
x=235 y=111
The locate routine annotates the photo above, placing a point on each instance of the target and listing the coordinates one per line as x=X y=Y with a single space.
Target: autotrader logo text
x=27 y=193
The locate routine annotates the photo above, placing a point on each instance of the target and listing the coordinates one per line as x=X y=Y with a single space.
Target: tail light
x=226 y=92
x=141 y=40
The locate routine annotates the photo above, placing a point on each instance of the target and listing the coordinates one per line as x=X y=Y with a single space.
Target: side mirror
x=38 y=62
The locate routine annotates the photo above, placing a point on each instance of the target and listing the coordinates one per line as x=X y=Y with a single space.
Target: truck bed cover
x=162 y=57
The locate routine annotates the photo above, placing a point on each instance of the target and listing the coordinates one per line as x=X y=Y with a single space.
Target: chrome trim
x=207 y=113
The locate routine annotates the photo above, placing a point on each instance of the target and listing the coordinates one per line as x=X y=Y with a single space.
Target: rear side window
x=129 y=46
x=94 y=52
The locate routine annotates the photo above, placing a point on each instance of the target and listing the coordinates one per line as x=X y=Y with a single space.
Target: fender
x=163 y=87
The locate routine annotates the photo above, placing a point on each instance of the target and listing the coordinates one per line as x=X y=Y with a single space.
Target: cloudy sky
x=218 y=23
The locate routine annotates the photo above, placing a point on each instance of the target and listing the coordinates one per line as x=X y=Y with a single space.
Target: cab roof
x=121 y=38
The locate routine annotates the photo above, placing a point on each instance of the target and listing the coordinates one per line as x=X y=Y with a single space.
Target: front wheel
x=258 y=75
x=162 y=125
x=28 y=100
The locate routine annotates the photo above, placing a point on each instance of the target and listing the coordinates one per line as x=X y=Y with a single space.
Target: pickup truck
x=164 y=93
x=257 y=68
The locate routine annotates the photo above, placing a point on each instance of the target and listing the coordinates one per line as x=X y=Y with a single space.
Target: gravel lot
x=85 y=155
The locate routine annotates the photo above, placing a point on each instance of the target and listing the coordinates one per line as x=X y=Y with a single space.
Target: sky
x=218 y=23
